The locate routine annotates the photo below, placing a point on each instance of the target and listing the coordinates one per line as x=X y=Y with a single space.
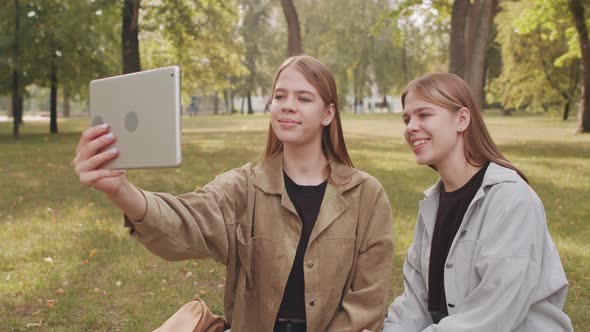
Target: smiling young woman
x=482 y=258
x=306 y=238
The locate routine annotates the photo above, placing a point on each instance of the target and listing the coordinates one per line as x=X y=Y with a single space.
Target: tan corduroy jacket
x=245 y=220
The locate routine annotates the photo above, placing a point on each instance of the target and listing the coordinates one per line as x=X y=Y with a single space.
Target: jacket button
x=449 y=265
x=312 y=302
x=309 y=265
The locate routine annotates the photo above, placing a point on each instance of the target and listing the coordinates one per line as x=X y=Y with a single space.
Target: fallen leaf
x=188 y=274
x=60 y=291
x=92 y=253
x=85 y=262
x=220 y=286
x=34 y=324
x=50 y=302
x=164 y=281
x=202 y=291
x=118 y=283
x=48 y=260
x=36 y=312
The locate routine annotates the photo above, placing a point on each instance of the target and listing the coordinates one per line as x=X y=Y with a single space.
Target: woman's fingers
x=95 y=161
x=92 y=147
x=89 y=178
x=90 y=134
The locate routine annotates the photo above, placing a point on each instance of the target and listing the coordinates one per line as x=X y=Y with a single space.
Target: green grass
x=45 y=213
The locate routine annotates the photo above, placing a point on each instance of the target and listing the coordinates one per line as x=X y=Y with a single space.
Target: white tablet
x=143 y=110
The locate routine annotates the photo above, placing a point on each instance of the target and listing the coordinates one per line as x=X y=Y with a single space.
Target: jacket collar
x=269 y=176
x=495 y=174
x=269 y=179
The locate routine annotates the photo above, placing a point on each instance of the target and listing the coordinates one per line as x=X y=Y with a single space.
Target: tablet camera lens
x=131 y=121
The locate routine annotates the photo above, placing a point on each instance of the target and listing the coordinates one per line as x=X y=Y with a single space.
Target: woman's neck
x=456 y=173
x=304 y=164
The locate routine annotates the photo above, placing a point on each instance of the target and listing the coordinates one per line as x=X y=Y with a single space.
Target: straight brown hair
x=318 y=75
x=451 y=92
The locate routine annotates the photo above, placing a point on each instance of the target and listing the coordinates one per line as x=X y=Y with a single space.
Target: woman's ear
x=463 y=119
x=329 y=115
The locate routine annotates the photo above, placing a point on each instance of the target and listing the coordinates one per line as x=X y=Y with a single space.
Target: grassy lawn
x=67 y=264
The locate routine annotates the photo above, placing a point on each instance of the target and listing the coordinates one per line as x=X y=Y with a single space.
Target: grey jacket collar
x=494 y=174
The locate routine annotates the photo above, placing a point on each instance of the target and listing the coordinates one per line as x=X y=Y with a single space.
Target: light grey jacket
x=503 y=272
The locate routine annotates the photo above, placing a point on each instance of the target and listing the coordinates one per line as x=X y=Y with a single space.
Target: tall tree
x=129 y=36
x=53 y=97
x=471 y=23
x=200 y=36
x=457 y=62
x=577 y=10
x=540 y=71
x=294 y=46
x=16 y=90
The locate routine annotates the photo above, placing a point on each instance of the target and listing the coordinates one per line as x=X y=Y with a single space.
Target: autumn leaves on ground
x=68 y=264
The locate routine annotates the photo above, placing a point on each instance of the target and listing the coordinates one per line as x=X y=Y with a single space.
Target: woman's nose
x=289 y=105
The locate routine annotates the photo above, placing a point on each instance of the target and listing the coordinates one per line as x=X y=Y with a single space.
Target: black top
x=307 y=201
x=451 y=210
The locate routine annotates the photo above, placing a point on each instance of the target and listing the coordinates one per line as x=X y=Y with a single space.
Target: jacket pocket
x=336 y=262
x=463 y=267
x=246 y=248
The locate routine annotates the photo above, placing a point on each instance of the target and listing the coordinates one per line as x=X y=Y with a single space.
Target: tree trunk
x=457 y=44
x=566 y=110
x=53 y=100
x=226 y=101
x=242 y=108
x=294 y=40
x=250 y=109
x=577 y=10
x=66 y=93
x=472 y=24
x=477 y=61
x=129 y=40
x=9 y=112
x=230 y=98
x=16 y=120
x=215 y=103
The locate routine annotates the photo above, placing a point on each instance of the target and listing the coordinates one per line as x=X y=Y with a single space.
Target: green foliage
x=385 y=44
x=539 y=71
x=76 y=36
x=197 y=35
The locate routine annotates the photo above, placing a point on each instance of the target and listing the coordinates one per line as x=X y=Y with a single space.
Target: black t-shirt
x=451 y=210
x=307 y=201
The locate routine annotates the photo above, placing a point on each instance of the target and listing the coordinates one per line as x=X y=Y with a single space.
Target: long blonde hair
x=451 y=92
x=320 y=77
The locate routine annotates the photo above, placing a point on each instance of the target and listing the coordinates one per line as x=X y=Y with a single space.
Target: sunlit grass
x=66 y=262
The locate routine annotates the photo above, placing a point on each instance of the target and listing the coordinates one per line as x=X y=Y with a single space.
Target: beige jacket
x=245 y=220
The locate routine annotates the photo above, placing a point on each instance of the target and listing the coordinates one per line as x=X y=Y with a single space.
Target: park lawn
x=67 y=264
